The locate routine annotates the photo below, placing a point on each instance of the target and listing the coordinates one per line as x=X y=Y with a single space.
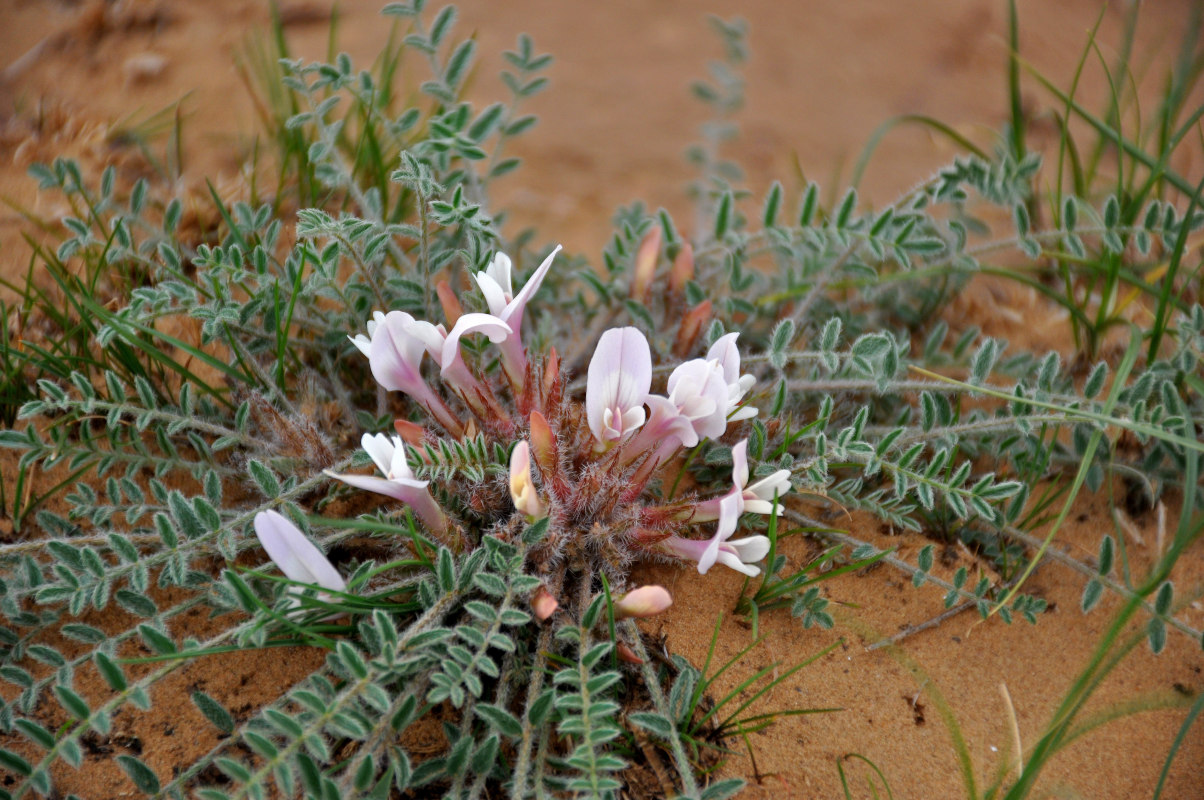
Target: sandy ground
x=823 y=76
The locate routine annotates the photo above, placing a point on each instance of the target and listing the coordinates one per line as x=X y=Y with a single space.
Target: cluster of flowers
x=594 y=463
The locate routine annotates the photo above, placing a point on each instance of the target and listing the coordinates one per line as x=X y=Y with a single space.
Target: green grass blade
x=1180 y=737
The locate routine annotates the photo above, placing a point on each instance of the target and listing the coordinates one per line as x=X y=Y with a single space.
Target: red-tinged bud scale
x=451 y=304
x=645 y=266
x=411 y=433
x=682 y=272
x=626 y=654
x=691 y=327
x=552 y=385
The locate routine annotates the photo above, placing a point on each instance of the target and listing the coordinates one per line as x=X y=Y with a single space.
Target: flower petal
x=764 y=489
x=755 y=506
x=395 y=356
x=724 y=351
x=750 y=548
x=499 y=271
x=496 y=329
x=709 y=555
x=295 y=555
x=619 y=377
x=364 y=343
x=729 y=559
x=398 y=490
x=380 y=448
x=495 y=294
x=431 y=336
x=666 y=420
x=514 y=309
x=740 y=464
x=731 y=506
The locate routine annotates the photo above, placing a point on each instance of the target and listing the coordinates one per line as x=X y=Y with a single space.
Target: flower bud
x=543 y=604
x=411 y=433
x=692 y=323
x=551 y=380
x=646 y=601
x=683 y=270
x=543 y=442
x=450 y=303
x=645 y=265
x=626 y=654
x=522 y=491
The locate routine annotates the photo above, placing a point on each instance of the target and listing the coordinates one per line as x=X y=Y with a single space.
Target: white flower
x=757 y=499
x=738 y=554
x=388 y=453
x=495 y=284
x=699 y=392
x=295 y=555
x=695 y=409
x=724 y=351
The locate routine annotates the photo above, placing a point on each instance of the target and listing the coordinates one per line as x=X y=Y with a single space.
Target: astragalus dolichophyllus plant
x=355 y=417
x=601 y=464
x=209 y=410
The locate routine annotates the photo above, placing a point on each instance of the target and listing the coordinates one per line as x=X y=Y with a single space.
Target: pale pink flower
x=738 y=554
x=295 y=555
x=700 y=393
x=757 y=498
x=495 y=284
x=620 y=375
x=444 y=349
x=395 y=354
x=396 y=344
x=695 y=409
x=388 y=453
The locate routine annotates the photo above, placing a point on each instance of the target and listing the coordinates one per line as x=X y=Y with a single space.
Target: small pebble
x=143 y=68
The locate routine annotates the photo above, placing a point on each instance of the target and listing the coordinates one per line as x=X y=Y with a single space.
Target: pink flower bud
x=543 y=443
x=646 y=601
x=691 y=327
x=683 y=270
x=451 y=304
x=522 y=491
x=645 y=265
x=551 y=379
x=543 y=604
